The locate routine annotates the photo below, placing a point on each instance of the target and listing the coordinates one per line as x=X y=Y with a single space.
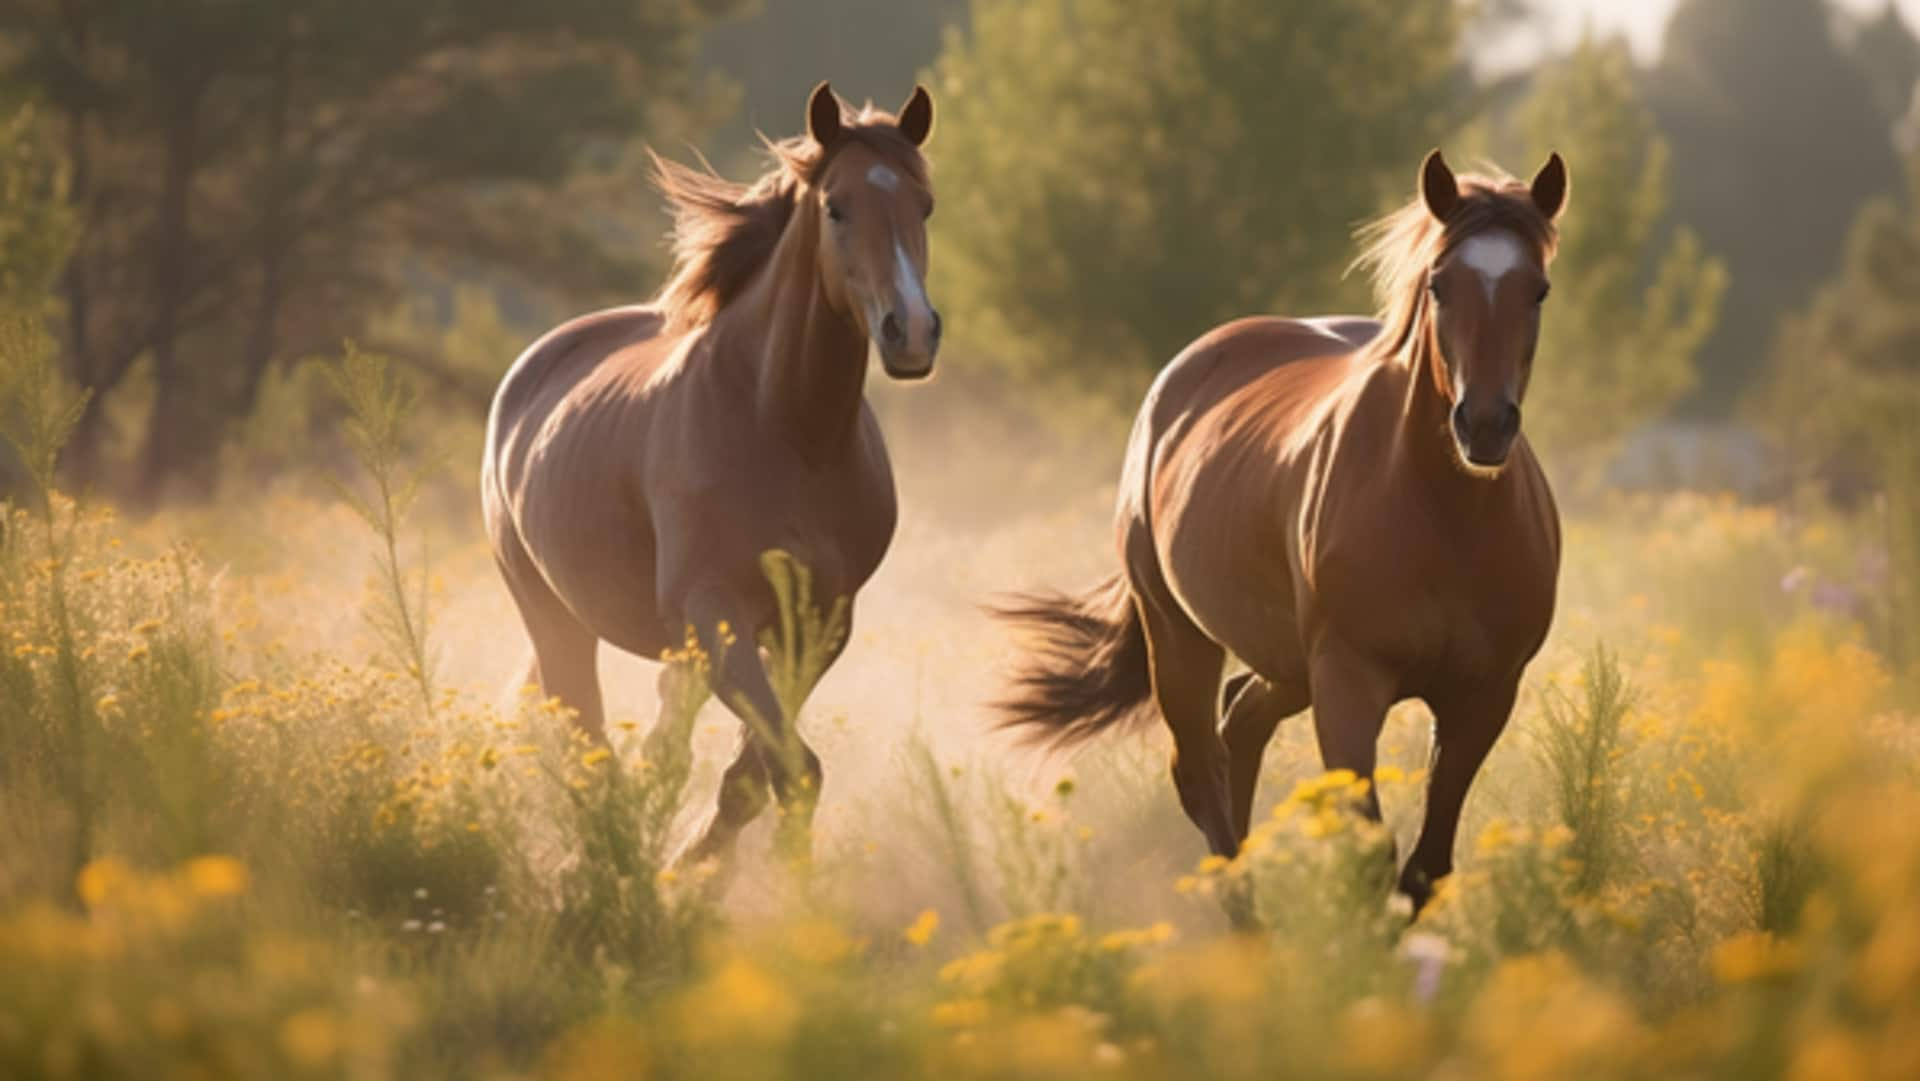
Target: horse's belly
x=602 y=567
x=1253 y=615
x=1238 y=587
x=620 y=607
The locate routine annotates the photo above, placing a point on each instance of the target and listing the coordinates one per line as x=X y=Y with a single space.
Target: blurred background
x=242 y=662
x=205 y=195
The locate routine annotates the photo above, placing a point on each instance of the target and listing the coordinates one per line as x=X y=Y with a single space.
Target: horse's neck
x=809 y=359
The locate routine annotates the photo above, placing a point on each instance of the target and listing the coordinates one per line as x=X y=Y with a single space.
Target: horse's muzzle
x=905 y=355
x=1486 y=436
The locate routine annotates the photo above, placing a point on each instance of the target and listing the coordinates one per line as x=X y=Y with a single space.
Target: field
x=270 y=807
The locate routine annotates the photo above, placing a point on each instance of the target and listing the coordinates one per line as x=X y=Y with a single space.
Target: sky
x=1641 y=20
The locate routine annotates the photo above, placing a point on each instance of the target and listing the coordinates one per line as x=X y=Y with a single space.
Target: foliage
x=777 y=51
x=32 y=393
x=36 y=225
x=1116 y=179
x=1845 y=388
x=252 y=182
x=291 y=870
x=381 y=416
x=1580 y=749
x=1732 y=117
x=1633 y=299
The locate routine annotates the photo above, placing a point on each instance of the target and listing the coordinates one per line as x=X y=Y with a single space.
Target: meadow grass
x=265 y=815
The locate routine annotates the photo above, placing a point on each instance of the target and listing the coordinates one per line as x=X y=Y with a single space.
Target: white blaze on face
x=1493 y=256
x=913 y=295
x=884 y=178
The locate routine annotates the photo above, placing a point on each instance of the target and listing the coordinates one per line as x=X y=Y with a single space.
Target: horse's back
x=1235 y=355
x=561 y=358
x=1265 y=376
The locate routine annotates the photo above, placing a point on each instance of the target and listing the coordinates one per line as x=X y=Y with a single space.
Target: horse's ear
x=1550 y=187
x=1438 y=186
x=916 y=116
x=823 y=115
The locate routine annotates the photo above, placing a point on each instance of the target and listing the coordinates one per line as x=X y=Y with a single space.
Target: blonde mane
x=723 y=232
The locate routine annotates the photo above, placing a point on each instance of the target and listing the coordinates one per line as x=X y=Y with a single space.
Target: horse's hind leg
x=744 y=793
x=1255 y=707
x=565 y=660
x=1186 y=666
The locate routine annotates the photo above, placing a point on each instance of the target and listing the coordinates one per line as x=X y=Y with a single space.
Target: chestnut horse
x=640 y=461
x=1344 y=505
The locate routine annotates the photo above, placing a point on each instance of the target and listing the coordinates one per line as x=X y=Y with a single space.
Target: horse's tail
x=1087 y=671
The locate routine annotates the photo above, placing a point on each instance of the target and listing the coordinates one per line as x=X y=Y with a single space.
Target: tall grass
x=233 y=847
x=1580 y=748
x=380 y=422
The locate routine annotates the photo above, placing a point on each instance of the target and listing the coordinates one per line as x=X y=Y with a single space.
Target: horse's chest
x=838 y=525
x=1473 y=605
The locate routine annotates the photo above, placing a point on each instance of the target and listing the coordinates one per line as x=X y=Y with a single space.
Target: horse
x=1345 y=505
x=640 y=461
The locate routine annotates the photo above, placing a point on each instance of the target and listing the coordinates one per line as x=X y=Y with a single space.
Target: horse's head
x=873 y=199
x=1487 y=288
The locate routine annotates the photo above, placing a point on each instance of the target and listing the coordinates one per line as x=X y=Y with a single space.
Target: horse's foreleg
x=1464 y=731
x=738 y=676
x=1351 y=693
x=1255 y=707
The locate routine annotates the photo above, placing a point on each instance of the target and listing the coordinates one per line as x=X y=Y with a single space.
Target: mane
x=1399 y=247
x=723 y=232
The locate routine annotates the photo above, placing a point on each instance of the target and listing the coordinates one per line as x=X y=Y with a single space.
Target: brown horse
x=1347 y=507
x=639 y=461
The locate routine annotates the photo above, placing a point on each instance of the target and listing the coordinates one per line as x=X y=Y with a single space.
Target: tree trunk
x=168 y=425
x=263 y=337
x=82 y=459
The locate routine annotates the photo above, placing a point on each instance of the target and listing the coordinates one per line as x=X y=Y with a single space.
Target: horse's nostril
x=1510 y=421
x=890 y=331
x=936 y=326
x=1460 y=427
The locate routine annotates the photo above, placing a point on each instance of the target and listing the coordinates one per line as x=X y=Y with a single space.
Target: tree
x=1115 y=178
x=255 y=178
x=869 y=49
x=35 y=233
x=1629 y=309
x=35 y=228
x=1887 y=52
x=1845 y=387
x=1777 y=142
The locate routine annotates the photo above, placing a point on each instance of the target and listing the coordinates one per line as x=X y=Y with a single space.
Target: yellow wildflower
x=311 y=1038
x=217 y=876
x=922 y=929
x=1754 y=955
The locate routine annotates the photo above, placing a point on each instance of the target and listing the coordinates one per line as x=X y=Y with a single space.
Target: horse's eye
x=1542 y=298
x=926 y=211
x=834 y=213
x=1433 y=287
